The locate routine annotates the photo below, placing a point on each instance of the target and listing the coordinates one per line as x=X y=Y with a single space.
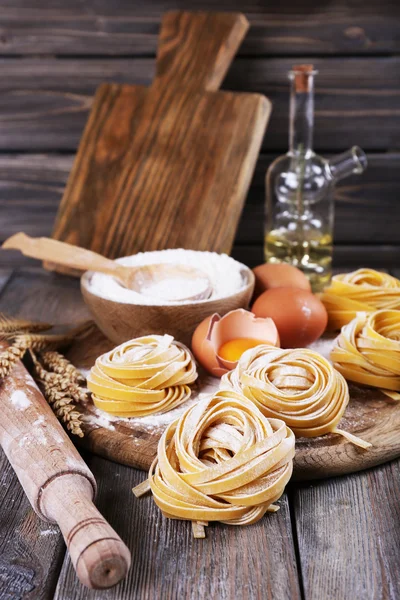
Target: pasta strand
x=147 y=375
x=364 y=290
x=221 y=461
x=367 y=351
x=298 y=386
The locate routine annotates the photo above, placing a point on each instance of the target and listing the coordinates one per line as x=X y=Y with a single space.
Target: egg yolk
x=234 y=349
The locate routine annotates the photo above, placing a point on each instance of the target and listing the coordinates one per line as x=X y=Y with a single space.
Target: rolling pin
x=57 y=482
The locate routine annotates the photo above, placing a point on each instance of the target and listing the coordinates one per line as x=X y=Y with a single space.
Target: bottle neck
x=301 y=115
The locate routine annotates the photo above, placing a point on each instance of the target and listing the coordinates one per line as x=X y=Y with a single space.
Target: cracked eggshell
x=215 y=330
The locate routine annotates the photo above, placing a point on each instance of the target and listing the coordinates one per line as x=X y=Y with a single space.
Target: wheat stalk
x=8 y=325
x=20 y=342
x=8 y=358
x=71 y=417
x=60 y=392
x=60 y=380
x=15 y=352
x=56 y=362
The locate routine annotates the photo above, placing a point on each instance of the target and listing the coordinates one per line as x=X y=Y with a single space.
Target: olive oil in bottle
x=300 y=190
x=313 y=255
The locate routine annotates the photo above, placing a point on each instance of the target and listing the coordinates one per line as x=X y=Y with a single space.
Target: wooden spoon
x=138 y=278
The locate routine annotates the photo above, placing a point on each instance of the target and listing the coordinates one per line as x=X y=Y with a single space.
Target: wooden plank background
x=54 y=54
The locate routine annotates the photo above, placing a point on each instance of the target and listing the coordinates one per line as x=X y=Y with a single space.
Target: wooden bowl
x=121 y=322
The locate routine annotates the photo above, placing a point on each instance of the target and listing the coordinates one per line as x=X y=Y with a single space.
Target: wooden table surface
x=331 y=540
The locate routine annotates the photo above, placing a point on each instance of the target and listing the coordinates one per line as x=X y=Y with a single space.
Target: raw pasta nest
x=298 y=386
x=367 y=351
x=221 y=461
x=150 y=374
x=364 y=290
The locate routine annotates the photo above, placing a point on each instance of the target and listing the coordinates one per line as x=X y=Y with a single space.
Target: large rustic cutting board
x=370 y=415
x=167 y=166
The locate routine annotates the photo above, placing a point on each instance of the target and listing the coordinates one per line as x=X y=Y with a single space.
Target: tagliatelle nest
x=367 y=351
x=150 y=374
x=221 y=461
x=364 y=290
x=298 y=386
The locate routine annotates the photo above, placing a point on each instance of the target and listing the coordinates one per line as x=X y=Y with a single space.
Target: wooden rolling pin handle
x=57 y=482
x=98 y=555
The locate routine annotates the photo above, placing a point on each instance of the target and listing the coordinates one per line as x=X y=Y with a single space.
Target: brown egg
x=300 y=317
x=218 y=342
x=269 y=276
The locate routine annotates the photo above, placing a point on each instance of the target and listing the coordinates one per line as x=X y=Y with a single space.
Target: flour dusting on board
x=323 y=346
x=151 y=422
x=224 y=273
x=20 y=400
x=46 y=532
x=99 y=418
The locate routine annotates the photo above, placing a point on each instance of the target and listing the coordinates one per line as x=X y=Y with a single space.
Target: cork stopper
x=301 y=75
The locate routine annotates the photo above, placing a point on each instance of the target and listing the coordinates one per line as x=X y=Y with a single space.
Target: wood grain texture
x=31 y=551
x=32 y=557
x=120 y=321
x=171 y=179
x=60 y=303
x=246 y=563
x=44 y=105
x=370 y=415
x=148 y=174
x=93 y=27
x=45 y=102
x=57 y=482
x=5 y=275
x=348 y=532
x=31 y=188
x=168 y=561
x=345 y=256
x=317 y=458
x=137 y=278
x=365 y=205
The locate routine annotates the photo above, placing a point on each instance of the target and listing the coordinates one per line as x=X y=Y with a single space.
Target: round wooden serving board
x=370 y=415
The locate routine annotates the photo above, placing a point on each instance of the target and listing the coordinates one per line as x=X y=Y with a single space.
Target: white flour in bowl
x=224 y=273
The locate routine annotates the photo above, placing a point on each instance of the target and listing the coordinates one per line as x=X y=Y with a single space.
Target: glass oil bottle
x=300 y=190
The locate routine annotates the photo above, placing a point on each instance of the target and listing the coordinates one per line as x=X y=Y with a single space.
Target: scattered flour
x=56 y=436
x=85 y=372
x=227 y=276
x=30 y=382
x=20 y=400
x=99 y=418
x=323 y=346
x=151 y=422
x=46 y=532
x=40 y=436
x=41 y=433
x=36 y=436
x=73 y=463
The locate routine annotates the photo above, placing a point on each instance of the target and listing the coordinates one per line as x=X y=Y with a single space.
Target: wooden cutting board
x=133 y=442
x=167 y=166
